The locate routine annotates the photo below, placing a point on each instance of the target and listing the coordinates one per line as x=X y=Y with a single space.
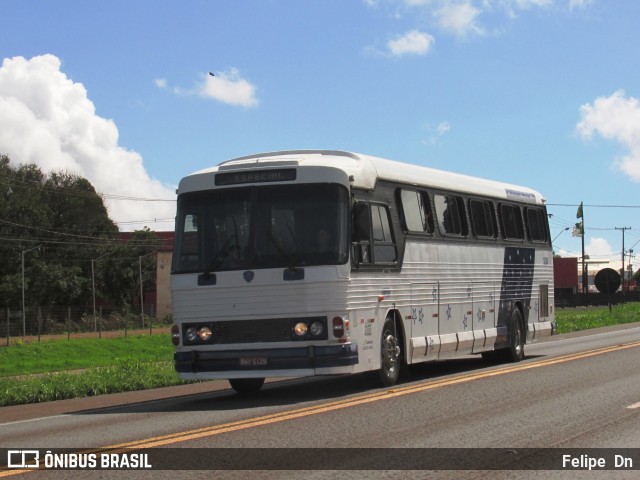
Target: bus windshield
x=286 y=226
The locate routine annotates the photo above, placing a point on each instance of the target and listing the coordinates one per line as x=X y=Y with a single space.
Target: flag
x=578 y=230
x=579 y=213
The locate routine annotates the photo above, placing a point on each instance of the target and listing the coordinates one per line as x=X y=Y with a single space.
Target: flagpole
x=585 y=274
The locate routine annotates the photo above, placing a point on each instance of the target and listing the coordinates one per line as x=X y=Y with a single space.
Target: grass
x=55 y=356
x=38 y=372
x=573 y=320
x=124 y=376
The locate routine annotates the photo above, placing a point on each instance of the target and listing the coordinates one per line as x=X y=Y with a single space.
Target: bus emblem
x=248 y=276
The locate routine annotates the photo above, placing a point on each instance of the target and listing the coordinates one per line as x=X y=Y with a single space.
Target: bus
x=320 y=262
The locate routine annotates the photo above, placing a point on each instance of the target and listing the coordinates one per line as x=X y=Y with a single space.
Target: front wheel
x=246 y=386
x=390 y=354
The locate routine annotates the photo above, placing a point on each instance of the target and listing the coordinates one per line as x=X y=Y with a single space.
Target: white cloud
x=459 y=19
x=228 y=87
x=526 y=4
x=434 y=132
x=443 y=127
x=419 y=3
x=48 y=119
x=411 y=43
x=579 y=3
x=615 y=118
x=598 y=248
x=464 y=18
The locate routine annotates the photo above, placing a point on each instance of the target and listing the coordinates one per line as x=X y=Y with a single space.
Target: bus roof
x=365 y=170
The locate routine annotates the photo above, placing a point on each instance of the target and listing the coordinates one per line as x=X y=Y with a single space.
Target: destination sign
x=255 y=176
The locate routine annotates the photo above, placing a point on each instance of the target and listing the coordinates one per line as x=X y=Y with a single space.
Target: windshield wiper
x=220 y=257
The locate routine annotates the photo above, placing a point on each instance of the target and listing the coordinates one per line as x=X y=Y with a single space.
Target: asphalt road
x=572 y=393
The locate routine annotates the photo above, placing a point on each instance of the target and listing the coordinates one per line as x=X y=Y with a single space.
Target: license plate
x=253 y=361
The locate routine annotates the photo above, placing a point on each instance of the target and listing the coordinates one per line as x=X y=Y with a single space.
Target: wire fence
x=43 y=323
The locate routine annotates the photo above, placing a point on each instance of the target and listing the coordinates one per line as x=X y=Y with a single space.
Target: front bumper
x=311 y=357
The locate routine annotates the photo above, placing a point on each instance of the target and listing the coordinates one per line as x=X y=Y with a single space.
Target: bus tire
x=390 y=354
x=517 y=335
x=246 y=386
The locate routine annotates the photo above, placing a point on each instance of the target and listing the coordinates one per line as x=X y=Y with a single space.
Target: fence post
x=39 y=320
x=100 y=328
x=69 y=323
x=8 y=329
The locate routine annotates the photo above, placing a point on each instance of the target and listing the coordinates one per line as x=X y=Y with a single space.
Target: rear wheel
x=390 y=356
x=246 y=386
x=515 y=352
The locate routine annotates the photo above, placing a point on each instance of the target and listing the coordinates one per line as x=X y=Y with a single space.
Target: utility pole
x=622 y=268
x=24 y=317
x=141 y=285
x=580 y=228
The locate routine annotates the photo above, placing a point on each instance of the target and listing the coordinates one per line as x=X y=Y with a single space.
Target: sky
x=541 y=93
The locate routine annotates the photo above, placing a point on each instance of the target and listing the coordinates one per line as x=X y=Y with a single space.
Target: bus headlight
x=316 y=329
x=204 y=334
x=191 y=335
x=300 y=329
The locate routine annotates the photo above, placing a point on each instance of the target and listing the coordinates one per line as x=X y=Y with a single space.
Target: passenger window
x=384 y=247
x=482 y=218
x=451 y=215
x=417 y=211
x=511 y=220
x=373 y=240
x=536 y=224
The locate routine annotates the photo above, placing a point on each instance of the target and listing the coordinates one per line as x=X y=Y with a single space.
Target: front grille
x=255 y=331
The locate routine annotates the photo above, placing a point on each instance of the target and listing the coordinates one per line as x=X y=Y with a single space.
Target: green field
x=575 y=319
x=55 y=370
x=60 y=369
x=55 y=356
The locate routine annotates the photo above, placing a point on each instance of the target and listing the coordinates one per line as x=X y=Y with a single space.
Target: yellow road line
x=339 y=404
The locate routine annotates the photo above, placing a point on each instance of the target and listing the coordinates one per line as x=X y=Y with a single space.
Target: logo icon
x=23 y=459
x=248 y=276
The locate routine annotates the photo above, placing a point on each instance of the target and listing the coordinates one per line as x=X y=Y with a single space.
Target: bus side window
x=536 y=224
x=451 y=215
x=416 y=211
x=511 y=219
x=384 y=246
x=361 y=233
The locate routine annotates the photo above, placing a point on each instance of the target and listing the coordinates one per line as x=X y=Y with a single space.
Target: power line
x=74 y=193
x=591 y=205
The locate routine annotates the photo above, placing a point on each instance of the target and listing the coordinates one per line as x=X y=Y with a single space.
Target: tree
x=120 y=270
x=62 y=215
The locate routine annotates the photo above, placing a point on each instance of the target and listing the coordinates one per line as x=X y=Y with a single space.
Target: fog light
x=300 y=329
x=204 y=333
x=191 y=335
x=316 y=329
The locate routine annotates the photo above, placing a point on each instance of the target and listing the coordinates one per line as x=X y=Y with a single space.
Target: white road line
x=34 y=419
